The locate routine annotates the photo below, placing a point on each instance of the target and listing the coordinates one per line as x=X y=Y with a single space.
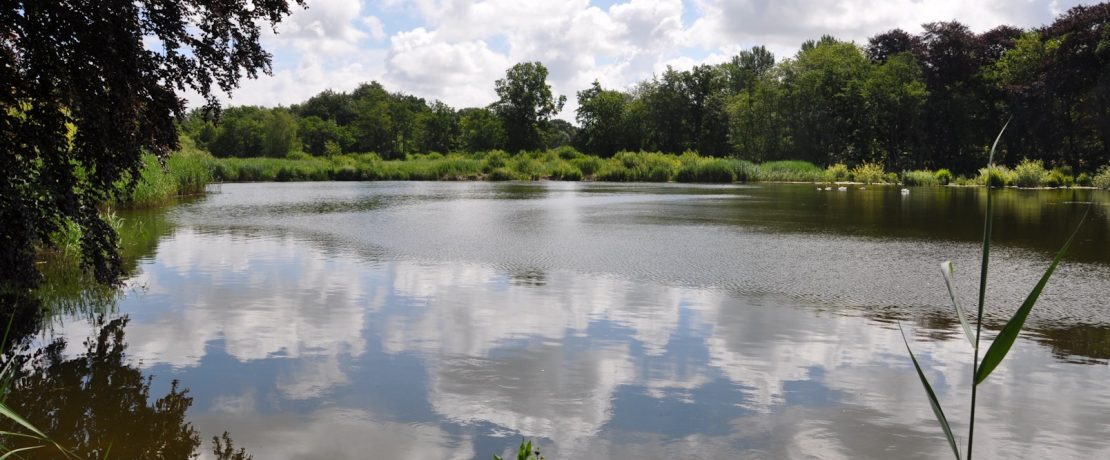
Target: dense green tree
x=889 y=43
x=315 y=133
x=241 y=132
x=896 y=93
x=758 y=121
x=280 y=135
x=748 y=67
x=441 y=128
x=480 y=130
x=824 y=87
x=524 y=104
x=601 y=116
x=90 y=86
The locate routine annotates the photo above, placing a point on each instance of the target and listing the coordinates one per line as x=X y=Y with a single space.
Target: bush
x=1102 y=179
x=1029 y=173
x=920 y=177
x=494 y=159
x=998 y=176
x=837 y=173
x=563 y=170
x=589 y=165
x=567 y=152
x=501 y=174
x=869 y=173
x=944 y=176
x=712 y=170
x=1083 y=180
x=790 y=171
x=745 y=170
x=1057 y=178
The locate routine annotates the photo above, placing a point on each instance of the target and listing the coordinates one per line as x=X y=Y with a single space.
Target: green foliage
x=920 y=177
x=564 y=170
x=589 y=165
x=869 y=173
x=1083 y=180
x=524 y=104
x=1029 y=173
x=85 y=96
x=997 y=176
x=838 y=173
x=707 y=170
x=525 y=452
x=790 y=171
x=1102 y=179
x=1057 y=178
x=944 y=176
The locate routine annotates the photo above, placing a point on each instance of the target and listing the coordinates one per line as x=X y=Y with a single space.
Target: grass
x=920 y=178
x=185 y=172
x=1002 y=343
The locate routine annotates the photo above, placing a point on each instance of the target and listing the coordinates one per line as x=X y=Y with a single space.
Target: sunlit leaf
x=932 y=399
x=1009 y=332
x=949 y=272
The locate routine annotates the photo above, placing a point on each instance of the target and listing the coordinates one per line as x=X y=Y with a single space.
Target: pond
x=451 y=320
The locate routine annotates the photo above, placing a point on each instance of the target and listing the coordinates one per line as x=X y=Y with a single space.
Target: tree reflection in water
x=98 y=405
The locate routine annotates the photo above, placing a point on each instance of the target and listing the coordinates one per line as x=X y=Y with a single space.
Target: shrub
x=567 y=152
x=745 y=170
x=614 y=171
x=494 y=159
x=563 y=170
x=868 y=173
x=501 y=174
x=1083 y=180
x=1029 y=173
x=1102 y=179
x=998 y=176
x=837 y=173
x=713 y=170
x=589 y=165
x=920 y=177
x=790 y=171
x=1057 y=178
x=944 y=176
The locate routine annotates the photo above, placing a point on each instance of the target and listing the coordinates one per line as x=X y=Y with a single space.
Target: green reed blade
x=1009 y=332
x=932 y=398
x=949 y=272
x=9 y=453
x=7 y=412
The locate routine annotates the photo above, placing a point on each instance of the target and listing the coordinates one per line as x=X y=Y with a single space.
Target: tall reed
x=1001 y=345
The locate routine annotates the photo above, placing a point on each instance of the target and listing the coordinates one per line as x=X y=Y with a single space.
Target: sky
x=454 y=50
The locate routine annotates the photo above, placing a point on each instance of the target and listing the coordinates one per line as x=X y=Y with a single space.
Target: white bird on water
x=905 y=191
x=842 y=189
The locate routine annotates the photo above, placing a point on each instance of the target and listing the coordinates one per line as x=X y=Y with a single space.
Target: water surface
x=448 y=320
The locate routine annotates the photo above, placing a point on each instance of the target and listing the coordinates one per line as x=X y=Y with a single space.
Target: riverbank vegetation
x=902 y=102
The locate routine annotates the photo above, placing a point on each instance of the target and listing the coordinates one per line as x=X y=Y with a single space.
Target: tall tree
x=525 y=103
x=109 y=72
x=600 y=115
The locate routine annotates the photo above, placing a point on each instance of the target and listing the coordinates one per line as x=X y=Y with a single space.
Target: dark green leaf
x=932 y=399
x=1009 y=332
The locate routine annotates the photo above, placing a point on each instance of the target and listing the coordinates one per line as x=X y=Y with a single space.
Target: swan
x=905 y=191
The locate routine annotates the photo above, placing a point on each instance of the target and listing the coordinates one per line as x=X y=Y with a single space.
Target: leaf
x=16 y=451
x=932 y=399
x=7 y=412
x=1009 y=332
x=949 y=272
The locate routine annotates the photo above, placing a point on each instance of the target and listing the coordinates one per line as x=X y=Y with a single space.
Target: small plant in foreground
x=526 y=452
x=1006 y=337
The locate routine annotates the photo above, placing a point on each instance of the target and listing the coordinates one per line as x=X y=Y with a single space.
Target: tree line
x=930 y=100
